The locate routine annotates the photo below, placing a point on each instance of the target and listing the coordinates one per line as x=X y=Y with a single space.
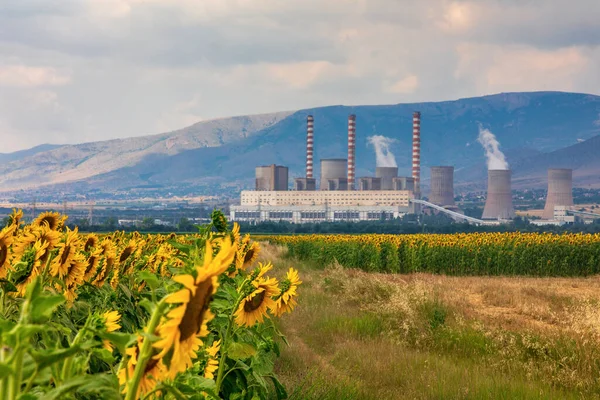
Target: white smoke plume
x=384 y=157
x=495 y=158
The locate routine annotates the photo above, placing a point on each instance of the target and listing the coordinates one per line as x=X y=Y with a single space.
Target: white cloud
x=405 y=85
x=99 y=69
x=26 y=76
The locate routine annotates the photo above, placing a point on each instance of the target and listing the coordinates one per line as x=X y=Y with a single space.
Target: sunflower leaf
x=279 y=388
x=7 y=286
x=43 y=307
x=45 y=359
x=27 y=396
x=240 y=351
x=149 y=278
x=121 y=340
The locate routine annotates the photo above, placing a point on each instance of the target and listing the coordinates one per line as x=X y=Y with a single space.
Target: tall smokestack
x=560 y=190
x=499 y=196
x=309 y=146
x=442 y=186
x=416 y=155
x=351 y=150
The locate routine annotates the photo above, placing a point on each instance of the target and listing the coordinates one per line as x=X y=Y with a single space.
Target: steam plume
x=495 y=158
x=384 y=157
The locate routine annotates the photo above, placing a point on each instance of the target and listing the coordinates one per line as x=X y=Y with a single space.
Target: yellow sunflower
x=25 y=268
x=15 y=218
x=68 y=250
x=251 y=255
x=106 y=264
x=212 y=364
x=181 y=333
x=286 y=301
x=91 y=241
x=47 y=235
x=76 y=270
x=253 y=308
x=53 y=219
x=154 y=372
x=111 y=321
x=92 y=263
x=235 y=232
x=6 y=240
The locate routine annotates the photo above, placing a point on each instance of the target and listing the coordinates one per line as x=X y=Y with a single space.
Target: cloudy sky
x=82 y=70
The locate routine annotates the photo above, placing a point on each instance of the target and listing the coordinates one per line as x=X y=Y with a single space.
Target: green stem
x=14 y=386
x=30 y=382
x=145 y=352
x=3 y=381
x=66 y=370
x=220 y=373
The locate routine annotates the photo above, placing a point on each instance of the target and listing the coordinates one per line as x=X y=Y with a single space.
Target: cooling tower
x=442 y=186
x=332 y=169
x=499 y=196
x=387 y=175
x=560 y=191
x=271 y=177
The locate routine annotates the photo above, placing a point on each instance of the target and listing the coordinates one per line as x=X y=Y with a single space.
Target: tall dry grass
x=359 y=335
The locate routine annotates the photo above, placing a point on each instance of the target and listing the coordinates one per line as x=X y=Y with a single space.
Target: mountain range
x=536 y=130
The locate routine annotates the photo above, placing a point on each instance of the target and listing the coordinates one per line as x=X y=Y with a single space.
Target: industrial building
x=339 y=195
x=271 y=177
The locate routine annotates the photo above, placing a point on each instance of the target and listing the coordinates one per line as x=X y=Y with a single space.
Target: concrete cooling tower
x=499 y=196
x=560 y=190
x=334 y=174
x=442 y=186
x=387 y=175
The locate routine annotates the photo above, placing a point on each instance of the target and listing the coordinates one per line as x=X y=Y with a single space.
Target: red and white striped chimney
x=309 y=146
x=416 y=151
x=351 y=150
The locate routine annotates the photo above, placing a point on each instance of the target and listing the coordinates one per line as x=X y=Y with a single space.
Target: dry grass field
x=358 y=335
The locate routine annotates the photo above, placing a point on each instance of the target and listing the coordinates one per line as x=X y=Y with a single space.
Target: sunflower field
x=456 y=254
x=126 y=316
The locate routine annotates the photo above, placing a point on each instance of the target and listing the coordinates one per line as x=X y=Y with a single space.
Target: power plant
x=560 y=191
x=498 y=204
x=341 y=196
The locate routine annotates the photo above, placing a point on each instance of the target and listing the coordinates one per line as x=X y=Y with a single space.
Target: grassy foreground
x=358 y=335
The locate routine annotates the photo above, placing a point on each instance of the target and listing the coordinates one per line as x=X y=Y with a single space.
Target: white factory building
x=321 y=205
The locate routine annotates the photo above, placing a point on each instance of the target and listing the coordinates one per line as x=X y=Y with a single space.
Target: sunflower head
x=6 y=240
x=15 y=217
x=53 y=219
x=27 y=266
x=90 y=243
x=219 y=221
x=154 y=372
x=286 y=301
x=251 y=255
x=258 y=300
x=186 y=325
x=235 y=233
x=67 y=255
